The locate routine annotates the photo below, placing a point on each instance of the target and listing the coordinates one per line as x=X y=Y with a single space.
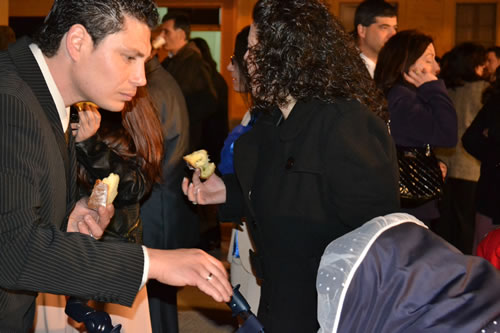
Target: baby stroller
x=394 y=275
x=100 y=322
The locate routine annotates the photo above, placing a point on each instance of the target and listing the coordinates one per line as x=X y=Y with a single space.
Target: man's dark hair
x=494 y=49
x=100 y=17
x=368 y=10
x=181 y=21
x=397 y=56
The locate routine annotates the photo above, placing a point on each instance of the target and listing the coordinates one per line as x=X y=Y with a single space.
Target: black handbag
x=420 y=177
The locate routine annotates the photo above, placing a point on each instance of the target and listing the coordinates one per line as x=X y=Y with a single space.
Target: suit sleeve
x=361 y=166
x=34 y=254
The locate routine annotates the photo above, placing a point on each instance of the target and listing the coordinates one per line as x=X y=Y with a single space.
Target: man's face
x=374 y=36
x=491 y=62
x=109 y=73
x=175 y=39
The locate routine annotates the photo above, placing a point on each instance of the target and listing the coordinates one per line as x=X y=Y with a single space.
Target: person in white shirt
x=374 y=23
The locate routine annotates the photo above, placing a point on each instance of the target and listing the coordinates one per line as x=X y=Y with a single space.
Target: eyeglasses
x=233 y=61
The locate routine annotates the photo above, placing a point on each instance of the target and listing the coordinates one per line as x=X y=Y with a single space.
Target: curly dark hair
x=397 y=56
x=99 y=17
x=304 y=52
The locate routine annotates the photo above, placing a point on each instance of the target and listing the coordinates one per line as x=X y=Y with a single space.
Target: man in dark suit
x=192 y=73
x=86 y=50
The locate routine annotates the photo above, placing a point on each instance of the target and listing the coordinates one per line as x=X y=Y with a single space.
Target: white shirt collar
x=54 y=92
x=370 y=64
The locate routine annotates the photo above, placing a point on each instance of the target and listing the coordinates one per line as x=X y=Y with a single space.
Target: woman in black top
x=318 y=162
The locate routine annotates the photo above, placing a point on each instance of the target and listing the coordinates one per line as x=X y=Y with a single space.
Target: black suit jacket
x=169 y=220
x=193 y=76
x=37 y=191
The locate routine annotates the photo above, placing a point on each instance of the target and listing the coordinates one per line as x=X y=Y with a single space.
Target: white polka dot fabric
x=493 y=327
x=339 y=263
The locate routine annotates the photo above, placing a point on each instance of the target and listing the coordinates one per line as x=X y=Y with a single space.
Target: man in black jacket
x=90 y=50
x=194 y=76
x=191 y=72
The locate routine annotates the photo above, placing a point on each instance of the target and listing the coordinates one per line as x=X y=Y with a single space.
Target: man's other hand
x=190 y=267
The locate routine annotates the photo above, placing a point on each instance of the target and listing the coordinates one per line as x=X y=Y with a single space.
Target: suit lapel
x=28 y=70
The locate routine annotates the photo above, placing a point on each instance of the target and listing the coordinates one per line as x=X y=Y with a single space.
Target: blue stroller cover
x=394 y=275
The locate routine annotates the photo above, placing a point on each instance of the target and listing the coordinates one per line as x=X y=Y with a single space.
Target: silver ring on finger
x=209 y=277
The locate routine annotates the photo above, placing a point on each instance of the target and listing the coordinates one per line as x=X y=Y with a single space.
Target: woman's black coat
x=301 y=183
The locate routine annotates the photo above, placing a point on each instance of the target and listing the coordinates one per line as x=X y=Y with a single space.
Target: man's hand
x=89 y=222
x=190 y=267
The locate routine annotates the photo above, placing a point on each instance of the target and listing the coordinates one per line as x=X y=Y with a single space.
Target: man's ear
x=181 y=34
x=361 y=31
x=76 y=38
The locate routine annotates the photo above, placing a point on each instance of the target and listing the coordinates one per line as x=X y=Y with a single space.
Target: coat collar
x=297 y=119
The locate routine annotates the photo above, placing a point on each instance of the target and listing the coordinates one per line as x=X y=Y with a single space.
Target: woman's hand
x=90 y=120
x=212 y=191
x=444 y=169
x=417 y=76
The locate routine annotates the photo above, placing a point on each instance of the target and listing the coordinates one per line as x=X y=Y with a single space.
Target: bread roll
x=104 y=191
x=199 y=160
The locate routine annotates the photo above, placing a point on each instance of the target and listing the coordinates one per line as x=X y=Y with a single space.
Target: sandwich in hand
x=104 y=191
x=199 y=160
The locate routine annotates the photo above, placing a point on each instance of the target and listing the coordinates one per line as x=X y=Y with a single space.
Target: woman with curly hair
x=318 y=162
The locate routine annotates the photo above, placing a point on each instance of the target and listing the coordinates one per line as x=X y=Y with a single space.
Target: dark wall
x=25 y=26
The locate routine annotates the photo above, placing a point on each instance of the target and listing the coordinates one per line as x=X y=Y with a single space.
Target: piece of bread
x=104 y=191
x=199 y=160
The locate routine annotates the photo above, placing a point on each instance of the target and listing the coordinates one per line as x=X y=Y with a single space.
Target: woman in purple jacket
x=421 y=113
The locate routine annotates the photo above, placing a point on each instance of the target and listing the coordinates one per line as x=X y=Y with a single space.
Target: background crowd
x=332 y=116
